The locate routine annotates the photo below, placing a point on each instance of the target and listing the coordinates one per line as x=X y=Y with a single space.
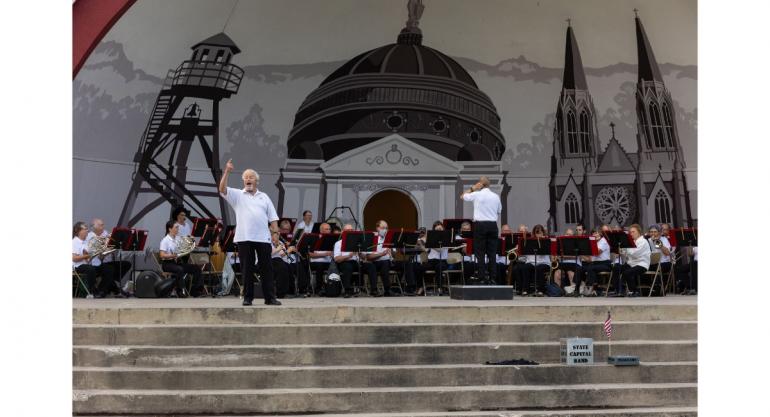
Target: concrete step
x=223 y=334
x=617 y=412
x=454 y=313
x=394 y=354
x=221 y=378
x=407 y=399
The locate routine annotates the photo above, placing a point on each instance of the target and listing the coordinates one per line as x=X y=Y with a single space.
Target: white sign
x=577 y=351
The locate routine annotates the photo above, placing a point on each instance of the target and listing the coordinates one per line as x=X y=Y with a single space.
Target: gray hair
x=654 y=227
x=250 y=171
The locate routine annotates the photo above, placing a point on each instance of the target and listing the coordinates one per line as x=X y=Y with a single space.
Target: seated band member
x=168 y=257
x=319 y=261
x=115 y=271
x=413 y=268
x=535 y=268
x=436 y=258
x=379 y=263
x=687 y=272
x=580 y=230
x=80 y=258
x=501 y=262
x=572 y=265
x=599 y=263
x=347 y=263
x=664 y=249
x=469 y=261
x=637 y=261
x=306 y=224
x=181 y=216
x=285 y=228
x=279 y=257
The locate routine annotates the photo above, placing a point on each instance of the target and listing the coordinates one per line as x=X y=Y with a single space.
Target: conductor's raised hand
x=229 y=165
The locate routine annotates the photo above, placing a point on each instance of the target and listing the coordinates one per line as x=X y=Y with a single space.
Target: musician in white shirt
x=501 y=262
x=664 y=249
x=486 y=214
x=469 y=261
x=535 y=267
x=306 y=224
x=599 y=263
x=281 y=259
x=180 y=216
x=347 y=262
x=170 y=262
x=637 y=261
x=573 y=266
x=115 y=271
x=319 y=261
x=379 y=262
x=255 y=218
x=80 y=258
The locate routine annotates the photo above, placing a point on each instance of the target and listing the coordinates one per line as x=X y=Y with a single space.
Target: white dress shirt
x=253 y=214
x=307 y=227
x=604 y=251
x=95 y=261
x=185 y=229
x=169 y=244
x=640 y=255
x=501 y=259
x=695 y=253
x=386 y=256
x=78 y=248
x=486 y=205
x=541 y=259
x=433 y=254
x=338 y=251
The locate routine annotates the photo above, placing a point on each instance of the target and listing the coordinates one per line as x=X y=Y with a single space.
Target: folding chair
x=655 y=273
x=454 y=258
x=76 y=287
x=210 y=276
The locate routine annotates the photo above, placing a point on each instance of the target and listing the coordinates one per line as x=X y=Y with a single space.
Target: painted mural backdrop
x=514 y=52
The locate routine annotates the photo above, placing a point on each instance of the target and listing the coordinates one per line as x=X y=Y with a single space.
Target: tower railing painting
x=208 y=74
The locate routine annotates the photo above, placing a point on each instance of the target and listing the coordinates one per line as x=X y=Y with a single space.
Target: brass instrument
x=657 y=243
x=99 y=245
x=185 y=246
x=512 y=255
x=554 y=265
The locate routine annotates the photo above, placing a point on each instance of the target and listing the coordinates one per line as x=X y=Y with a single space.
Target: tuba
x=185 y=246
x=99 y=245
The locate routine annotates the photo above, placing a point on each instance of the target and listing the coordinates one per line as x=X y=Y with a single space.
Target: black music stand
x=537 y=247
x=316 y=228
x=200 y=225
x=574 y=246
x=209 y=236
x=296 y=236
x=359 y=241
x=130 y=240
x=454 y=225
x=438 y=239
x=507 y=242
x=686 y=238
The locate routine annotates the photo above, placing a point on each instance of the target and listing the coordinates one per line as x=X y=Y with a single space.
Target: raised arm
x=223 y=181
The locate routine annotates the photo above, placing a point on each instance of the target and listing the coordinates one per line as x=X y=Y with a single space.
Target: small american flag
x=608 y=326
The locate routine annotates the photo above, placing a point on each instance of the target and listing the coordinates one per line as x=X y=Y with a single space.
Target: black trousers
x=631 y=275
x=89 y=273
x=318 y=269
x=282 y=276
x=179 y=270
x=303 y=276
x=529 y=273
x=592 y=270
x=686 y=276
x=502 y=274
x=485 y=239
x=468 y=269
x=381 y=268
x=413 y=275
x=246 y=252
x=346 y=271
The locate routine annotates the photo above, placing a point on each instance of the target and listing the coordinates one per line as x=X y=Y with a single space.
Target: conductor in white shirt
x=486 y=214
x=253 y=212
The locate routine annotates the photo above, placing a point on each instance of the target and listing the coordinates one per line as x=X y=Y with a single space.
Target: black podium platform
x=481 y=292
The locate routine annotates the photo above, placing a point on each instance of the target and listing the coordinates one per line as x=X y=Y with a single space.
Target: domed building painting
x=402 y=120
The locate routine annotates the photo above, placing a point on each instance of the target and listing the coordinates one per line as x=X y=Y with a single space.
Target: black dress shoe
x=273 y=302
x=247 y=303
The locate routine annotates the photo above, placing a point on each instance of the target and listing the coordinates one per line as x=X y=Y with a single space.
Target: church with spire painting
x=593 y=186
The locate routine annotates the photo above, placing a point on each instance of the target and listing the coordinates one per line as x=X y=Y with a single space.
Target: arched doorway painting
x=395 y=207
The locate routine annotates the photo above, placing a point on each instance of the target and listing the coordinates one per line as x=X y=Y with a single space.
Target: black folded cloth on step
x=520 y=361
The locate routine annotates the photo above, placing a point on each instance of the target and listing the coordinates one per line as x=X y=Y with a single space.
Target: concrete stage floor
x=443 y=301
